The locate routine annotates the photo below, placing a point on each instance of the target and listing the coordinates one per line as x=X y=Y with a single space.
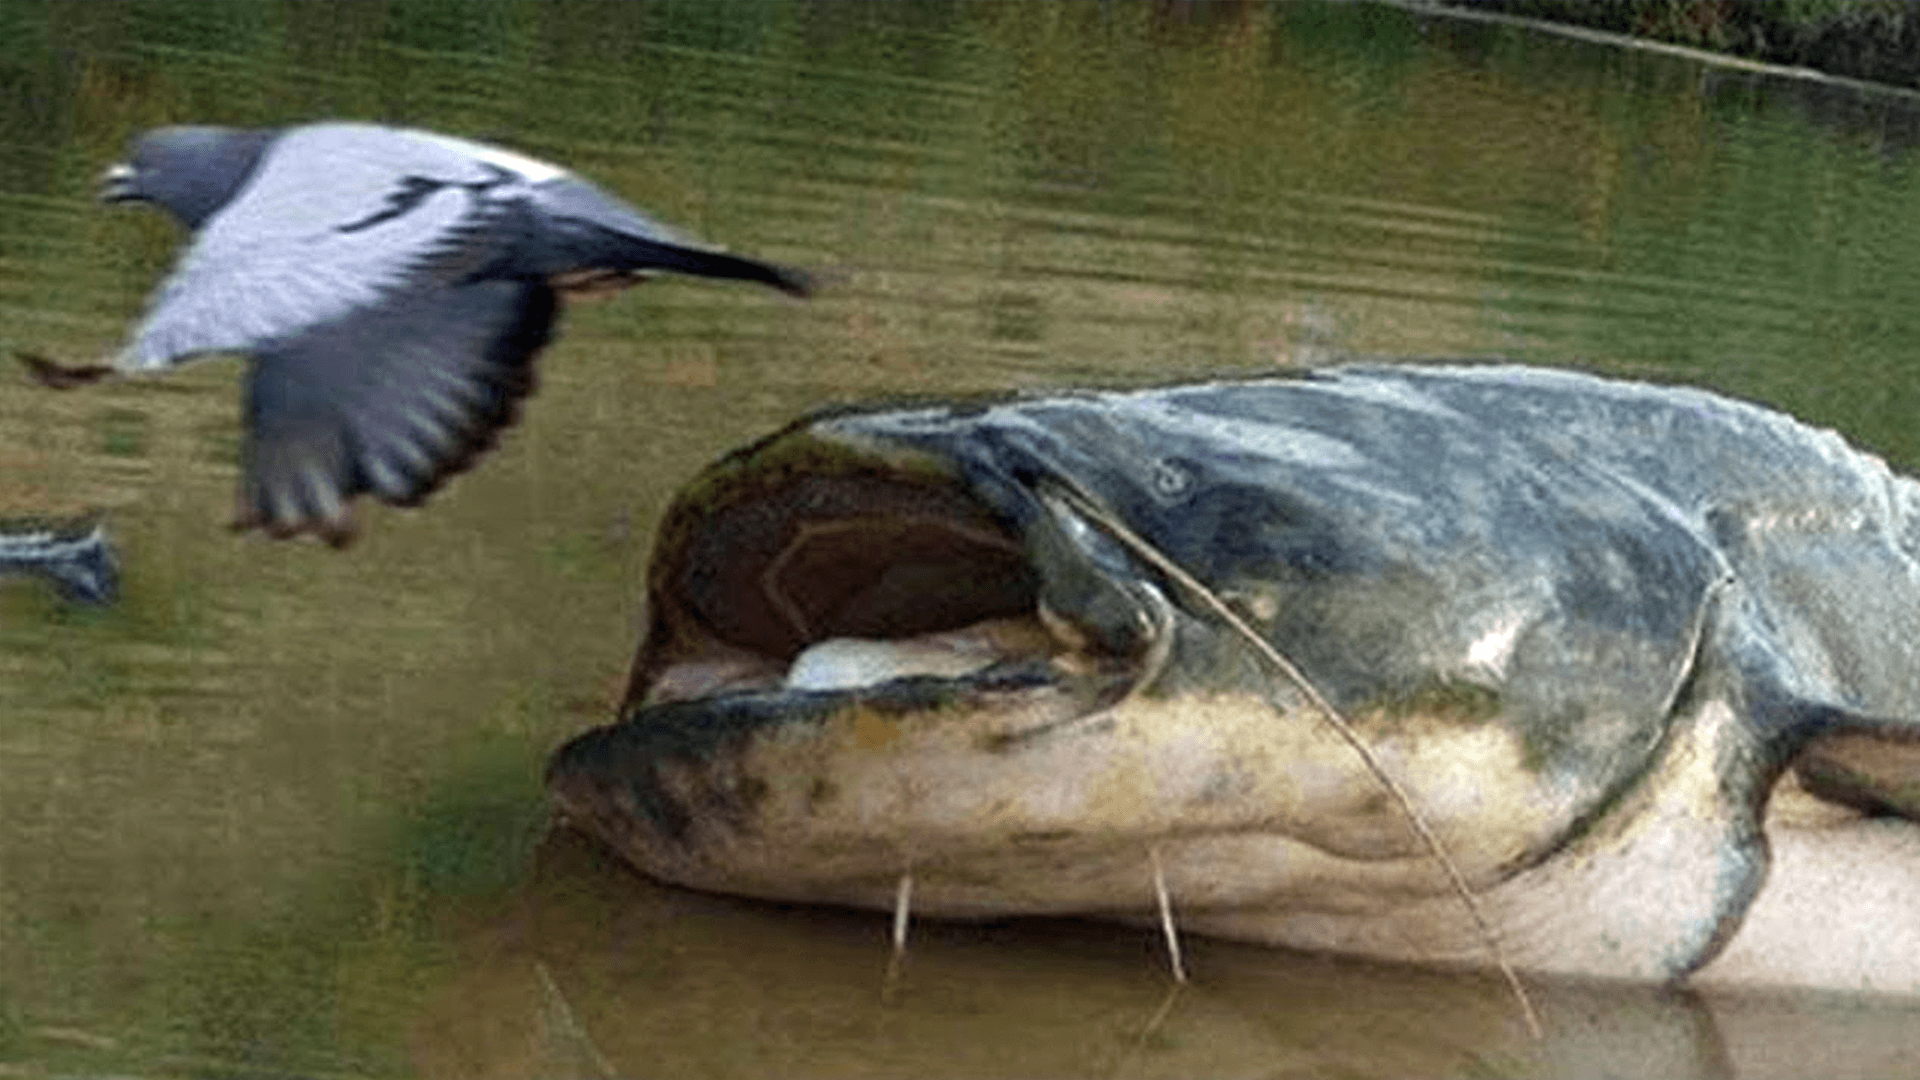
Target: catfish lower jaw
x=755 y=791
x=1019 y=789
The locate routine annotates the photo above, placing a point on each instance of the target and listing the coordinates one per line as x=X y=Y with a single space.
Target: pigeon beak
x=118 y=183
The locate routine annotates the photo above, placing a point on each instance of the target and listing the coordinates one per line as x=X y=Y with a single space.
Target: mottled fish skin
x=392 y=288
x=1589 y=622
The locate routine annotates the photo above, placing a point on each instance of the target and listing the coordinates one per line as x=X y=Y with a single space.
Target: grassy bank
x=1871 y=40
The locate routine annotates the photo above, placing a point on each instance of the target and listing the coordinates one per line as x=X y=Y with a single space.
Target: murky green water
x=279 y=813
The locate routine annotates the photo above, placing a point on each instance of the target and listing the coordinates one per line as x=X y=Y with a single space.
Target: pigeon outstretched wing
x=337 y=218
x=392 y=287
x=390 y=402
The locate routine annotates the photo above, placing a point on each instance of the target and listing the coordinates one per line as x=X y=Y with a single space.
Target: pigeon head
x=192 y=171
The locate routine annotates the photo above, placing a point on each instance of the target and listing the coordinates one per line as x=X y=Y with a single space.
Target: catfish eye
x=1170 y=478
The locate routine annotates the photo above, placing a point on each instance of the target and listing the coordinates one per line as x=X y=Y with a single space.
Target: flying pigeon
x=392 y=288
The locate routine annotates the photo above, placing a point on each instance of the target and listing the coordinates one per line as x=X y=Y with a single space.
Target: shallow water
x=279 y=812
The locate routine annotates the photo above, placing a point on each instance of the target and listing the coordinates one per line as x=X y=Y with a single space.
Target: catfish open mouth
x=811 y=582
x=803 y=567
x=808 y=597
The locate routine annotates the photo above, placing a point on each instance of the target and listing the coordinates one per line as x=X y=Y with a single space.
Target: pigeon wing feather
x=389 y=401
x=337 y=217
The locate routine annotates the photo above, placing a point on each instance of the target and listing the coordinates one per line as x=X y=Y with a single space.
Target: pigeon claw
x=59 y=376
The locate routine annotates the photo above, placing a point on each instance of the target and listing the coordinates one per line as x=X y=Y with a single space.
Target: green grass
x=1871 y=40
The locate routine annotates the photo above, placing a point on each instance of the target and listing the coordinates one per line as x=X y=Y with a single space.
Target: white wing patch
x=533 y=170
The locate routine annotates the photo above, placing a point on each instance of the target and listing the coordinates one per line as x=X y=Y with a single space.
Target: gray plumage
x=392 y=288
x=74 y=557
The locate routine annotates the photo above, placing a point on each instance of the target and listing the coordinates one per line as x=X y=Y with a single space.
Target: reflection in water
x=271 y=813
x=661 y=982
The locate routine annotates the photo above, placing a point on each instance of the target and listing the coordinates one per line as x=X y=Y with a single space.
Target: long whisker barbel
x=897 y=960
x=1087 y=507
x=560 y=1018
x=1167 y=928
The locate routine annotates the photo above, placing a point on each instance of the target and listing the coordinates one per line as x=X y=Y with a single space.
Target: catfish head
x=914 y=640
